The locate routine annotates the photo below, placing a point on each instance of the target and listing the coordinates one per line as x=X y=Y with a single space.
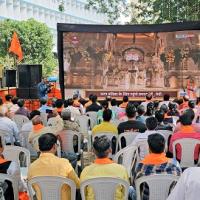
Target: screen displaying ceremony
x=131 y=61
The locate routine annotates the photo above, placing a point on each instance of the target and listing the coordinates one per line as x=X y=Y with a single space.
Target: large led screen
x=130 y=62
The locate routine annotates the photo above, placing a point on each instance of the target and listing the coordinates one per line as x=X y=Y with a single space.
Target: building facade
x=47 y=11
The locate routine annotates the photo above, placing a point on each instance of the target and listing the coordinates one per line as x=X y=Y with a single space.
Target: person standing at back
x=43 y=88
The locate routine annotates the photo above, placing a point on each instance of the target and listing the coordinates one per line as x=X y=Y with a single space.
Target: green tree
x=36 y=41
x=148 y=11
x=112 y=8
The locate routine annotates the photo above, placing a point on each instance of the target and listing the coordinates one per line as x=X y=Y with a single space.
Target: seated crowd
x=156 y=126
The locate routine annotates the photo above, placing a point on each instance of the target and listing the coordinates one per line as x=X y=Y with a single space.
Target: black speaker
x=27 y=93
x=29 y=75
x=10 y=76
x=28 y=78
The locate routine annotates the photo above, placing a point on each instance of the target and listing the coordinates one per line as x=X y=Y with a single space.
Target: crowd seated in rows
x=157 y=126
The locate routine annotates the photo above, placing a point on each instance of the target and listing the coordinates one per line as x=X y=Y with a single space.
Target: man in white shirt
x=148 y=100
x=9 y=126
x=165 y=101
x=74 y=110
x=188 y=186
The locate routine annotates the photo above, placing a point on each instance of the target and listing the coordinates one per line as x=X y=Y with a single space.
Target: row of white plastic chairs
x=103 y=187
x=188 y=144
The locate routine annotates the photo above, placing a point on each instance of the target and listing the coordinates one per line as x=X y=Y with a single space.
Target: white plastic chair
x=127 y=157
x=128 y=136
x=23 y=135
x=34 y=143
x=20 y=120
x=93 y=117
x=104 y=187
x=110 y=137
x=50 y=187
x=159 y=185
x=143 y=149
x=44 y=118
x=187 y=151
x=13 y=153
x=4 y=135
x=4 y=177
x=165 y=133
x=84 y=122
x=67 y=140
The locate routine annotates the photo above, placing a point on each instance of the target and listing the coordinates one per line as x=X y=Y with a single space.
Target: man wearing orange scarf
x=103 y=167
x=39 y=129
x=156 y=162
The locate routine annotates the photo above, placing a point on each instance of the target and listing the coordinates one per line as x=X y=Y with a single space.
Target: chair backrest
x=35 y=146
x=143 y=149
x=23 y=135
x=93 y=117
x=104 y=187
x=187 y=150
x=50 y=187
x=44 y=118
x=4 y=135
x=4 y=177
x=110 y=135
x=159 y=185
x=84 y=122
x=67 y=137
x=127 y=157
x=20 y=120
x=165 y=133
x=128 y=136
x=13 y=153
x=175 y=119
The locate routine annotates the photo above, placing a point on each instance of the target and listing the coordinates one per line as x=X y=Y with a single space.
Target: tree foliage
x=148 y=11
x=112 y=8
x=36 y=41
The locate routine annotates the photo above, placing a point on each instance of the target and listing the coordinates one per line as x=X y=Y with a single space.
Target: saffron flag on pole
x=15 y=47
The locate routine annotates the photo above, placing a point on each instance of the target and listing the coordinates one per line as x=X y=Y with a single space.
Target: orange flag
x=15 y=47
